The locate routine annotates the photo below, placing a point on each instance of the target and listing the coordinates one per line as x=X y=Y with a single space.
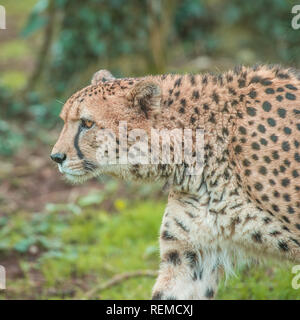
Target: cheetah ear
x=146 y=95
x=101 y=76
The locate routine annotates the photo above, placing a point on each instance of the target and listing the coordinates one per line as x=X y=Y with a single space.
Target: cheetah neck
x=205 y=102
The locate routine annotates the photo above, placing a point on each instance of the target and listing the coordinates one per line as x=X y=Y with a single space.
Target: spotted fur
x=247 y=199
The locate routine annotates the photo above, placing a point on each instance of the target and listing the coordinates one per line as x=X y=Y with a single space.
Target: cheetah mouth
x=69 y=172
x=77 y=169
x=79 y=174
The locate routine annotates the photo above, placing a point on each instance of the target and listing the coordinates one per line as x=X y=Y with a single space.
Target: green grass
x=80 y=247
x=90 y=246
x=260 y=283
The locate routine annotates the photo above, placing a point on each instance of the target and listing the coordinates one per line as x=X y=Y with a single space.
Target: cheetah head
x=100 y=108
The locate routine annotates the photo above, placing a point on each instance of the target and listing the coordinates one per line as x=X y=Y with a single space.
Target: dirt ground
x=30 y=180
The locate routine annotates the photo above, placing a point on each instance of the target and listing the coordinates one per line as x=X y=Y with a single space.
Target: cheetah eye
x=87 y=124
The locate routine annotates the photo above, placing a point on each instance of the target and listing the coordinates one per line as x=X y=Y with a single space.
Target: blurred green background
x=67 y=242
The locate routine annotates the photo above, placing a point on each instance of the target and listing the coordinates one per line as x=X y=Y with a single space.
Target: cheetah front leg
x=185 y=274
x=189 y=267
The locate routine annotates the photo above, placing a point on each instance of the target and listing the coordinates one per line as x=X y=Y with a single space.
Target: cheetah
x=246 y=201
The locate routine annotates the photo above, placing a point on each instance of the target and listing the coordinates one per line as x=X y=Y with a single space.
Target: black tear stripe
x=88 y=165
x=76 y=144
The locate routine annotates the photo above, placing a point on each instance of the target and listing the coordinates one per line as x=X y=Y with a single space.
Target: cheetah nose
x=58 y=157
